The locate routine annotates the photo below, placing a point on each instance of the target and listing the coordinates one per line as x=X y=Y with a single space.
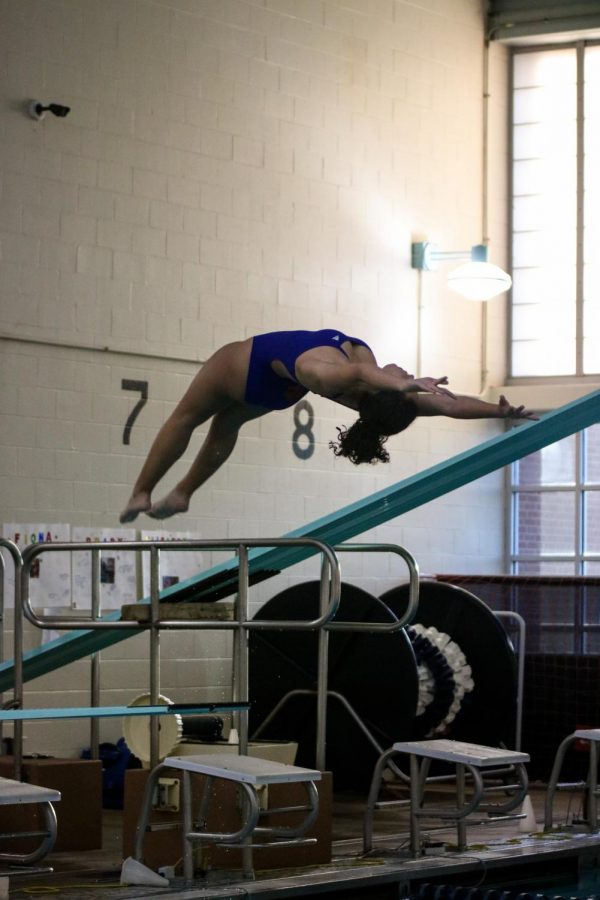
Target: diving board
x=107 y=712
x=335 y=528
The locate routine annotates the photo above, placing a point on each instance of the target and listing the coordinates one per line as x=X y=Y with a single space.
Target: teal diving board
x=335 y=528
x=106 y=712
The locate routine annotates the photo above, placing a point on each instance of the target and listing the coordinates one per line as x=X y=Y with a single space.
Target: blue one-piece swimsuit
x=263 y=386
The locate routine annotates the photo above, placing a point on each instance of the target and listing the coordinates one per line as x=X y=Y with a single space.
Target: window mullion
x=579 y=531
x=580 y=206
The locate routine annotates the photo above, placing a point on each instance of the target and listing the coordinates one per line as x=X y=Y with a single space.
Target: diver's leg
x=215 y=450
x=213 y=388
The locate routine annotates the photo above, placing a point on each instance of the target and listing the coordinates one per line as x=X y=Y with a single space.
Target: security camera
x=37 y=110
x=58 y=110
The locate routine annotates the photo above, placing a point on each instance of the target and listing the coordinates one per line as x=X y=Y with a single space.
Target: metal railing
x=330 y=587
x=17 y=561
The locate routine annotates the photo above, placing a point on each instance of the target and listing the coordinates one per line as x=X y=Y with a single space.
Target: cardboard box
x=78 y=813
x=164 y=848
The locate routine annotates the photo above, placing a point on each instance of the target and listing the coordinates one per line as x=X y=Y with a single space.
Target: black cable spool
x=375 y=672
x=488 y=713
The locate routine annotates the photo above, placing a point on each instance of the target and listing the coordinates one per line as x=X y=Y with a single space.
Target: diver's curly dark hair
x=380 y=414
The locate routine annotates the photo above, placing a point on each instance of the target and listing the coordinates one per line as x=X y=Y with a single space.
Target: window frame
x=580 y=629
x=579 y=488
x=578 y=376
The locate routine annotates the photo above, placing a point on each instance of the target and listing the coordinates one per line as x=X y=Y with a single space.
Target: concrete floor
x=496 y=854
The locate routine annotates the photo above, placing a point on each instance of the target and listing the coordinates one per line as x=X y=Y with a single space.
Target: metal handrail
x=413 y=589
x=330 y=593
x=521 y=627
x=396 y=624
x=330 y=598
x=71 y=623
x=17 y=559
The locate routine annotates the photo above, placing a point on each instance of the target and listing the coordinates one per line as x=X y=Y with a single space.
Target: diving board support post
x=96 y=610
x=241 y=649
x=154 y=649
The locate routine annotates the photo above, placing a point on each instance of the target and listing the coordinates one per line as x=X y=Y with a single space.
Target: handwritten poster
x=50 y=578
x=117 y=568
x=175 y=566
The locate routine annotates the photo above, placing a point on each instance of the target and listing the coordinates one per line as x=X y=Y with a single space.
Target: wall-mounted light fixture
x=476 y=280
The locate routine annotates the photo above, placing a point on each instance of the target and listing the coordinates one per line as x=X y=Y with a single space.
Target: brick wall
x=228 y=167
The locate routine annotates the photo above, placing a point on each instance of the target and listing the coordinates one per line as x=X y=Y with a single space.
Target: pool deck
x=495 y=854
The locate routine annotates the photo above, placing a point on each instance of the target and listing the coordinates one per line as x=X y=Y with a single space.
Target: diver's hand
x=431 y=386
x=507 y=411
x=405 y=381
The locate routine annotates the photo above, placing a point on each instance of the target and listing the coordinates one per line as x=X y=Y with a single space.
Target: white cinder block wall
x=230 y=167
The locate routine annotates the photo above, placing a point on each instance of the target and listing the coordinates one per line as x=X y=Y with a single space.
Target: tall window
x=555 y=326
x=555 y=500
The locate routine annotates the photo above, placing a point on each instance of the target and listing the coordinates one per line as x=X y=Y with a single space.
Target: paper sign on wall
x=50 y=578
x=175 y=566
x=117 y=568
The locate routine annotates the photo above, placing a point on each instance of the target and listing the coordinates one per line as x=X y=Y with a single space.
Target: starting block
x=250 y=774
x=16 y=793
x=472 y=758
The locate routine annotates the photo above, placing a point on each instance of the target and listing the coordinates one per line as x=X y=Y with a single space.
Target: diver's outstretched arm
x=461 y=407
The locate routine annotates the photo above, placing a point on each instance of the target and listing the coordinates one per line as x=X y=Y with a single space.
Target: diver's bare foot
x=173 y=503
x=138 y=503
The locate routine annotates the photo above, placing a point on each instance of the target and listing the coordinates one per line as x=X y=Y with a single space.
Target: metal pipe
x=330 y=591
x=2 y=570
x=95 y=658
x=17 y=560
x=322 y=672
x=508 y=614
x=154 y=650
x=241 y=689
x=69 y=623
x=413 y=589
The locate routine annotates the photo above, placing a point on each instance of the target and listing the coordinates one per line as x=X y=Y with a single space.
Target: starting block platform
x=17 y=793
x=249 y=774
x=590 y=786
x=471 y=758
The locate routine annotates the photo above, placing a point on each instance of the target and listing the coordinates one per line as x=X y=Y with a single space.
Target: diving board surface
x=335 y=528
x=106 y=712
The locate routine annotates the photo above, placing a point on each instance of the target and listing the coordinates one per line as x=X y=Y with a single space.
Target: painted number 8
x=303 y=430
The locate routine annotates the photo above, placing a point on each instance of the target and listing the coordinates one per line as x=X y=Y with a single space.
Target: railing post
x=241 y=664
x=154 y=649
x=17 y=561
x=95 y=659
x=323 y=669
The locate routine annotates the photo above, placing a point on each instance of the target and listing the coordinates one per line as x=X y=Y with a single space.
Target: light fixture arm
x=425 y=255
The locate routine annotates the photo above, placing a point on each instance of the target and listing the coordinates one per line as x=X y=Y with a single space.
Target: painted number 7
x=127 y=384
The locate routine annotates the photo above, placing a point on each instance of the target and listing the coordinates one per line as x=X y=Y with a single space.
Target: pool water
x=587 y=887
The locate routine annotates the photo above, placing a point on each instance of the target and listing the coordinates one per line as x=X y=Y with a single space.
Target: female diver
x=247 y=379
